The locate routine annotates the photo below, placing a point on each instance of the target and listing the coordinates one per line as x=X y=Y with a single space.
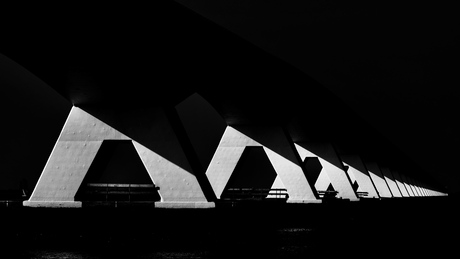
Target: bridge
x=84 y=136
x=284 y=138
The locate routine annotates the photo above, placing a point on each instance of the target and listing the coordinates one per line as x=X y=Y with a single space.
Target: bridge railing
x=327 y=194
x=362 y=194
x=333 y=194
x=256 y=194
x=119 y=192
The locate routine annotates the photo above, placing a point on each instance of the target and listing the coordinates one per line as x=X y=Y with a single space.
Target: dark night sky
x=32 y=118
x=393 y=62
x=395 y=65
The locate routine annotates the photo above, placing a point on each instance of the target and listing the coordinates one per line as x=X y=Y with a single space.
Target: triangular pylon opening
x=312 y=168
x=117 y=174
x=330 y=192
x=330 y=188
x=253 y=176
x=355 y=185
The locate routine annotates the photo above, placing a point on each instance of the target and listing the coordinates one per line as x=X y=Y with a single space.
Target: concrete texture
x=332 y=171
x=400 y=184
x=279 y=151
x=161 y=152
x=102 y=69
x=52 y=204
x=408 y=186
x=176 y=184
x=358 y=172
x=415 y=187
x=323 y=182
x=77 y=146
x=379 y=180
x=391 y=182
x=422 y=188
x=185 y=205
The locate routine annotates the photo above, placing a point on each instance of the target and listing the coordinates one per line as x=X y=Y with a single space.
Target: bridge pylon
x=154 y=141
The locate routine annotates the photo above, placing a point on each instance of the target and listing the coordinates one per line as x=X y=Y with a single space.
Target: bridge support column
x=332 y=168
x=279 y=151
x=79 y=142
x=408 y=186
x=400 y=184
x=415 y=187
x=391 y=182
x=422 y=188
x=358 y=172
x=379 y=180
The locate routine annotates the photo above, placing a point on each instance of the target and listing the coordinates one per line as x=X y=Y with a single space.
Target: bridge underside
x=125 y=78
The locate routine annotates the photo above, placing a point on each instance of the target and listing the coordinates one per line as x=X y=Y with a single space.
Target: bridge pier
x=279 y=151
x=415 y=187
x=154 y=141
x=379 y=180
x=391 y=182
x=408 y=186
x=358 y=172
x=400 y=183
x=332 y=171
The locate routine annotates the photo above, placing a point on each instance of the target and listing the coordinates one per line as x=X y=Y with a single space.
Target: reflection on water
x=53 y=254
x=314 y=231
x=56 y=254
x=288 y=242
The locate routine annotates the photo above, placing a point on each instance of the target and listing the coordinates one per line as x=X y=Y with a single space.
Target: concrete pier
x=400 y=184
x=279 y=151
x=332 y=171
x=80 y=141
x=391 y=182
x=379 y=180
x=358 y=173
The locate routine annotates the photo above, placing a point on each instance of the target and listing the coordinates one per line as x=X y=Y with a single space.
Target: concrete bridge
x=127 y=80
x=178 y=186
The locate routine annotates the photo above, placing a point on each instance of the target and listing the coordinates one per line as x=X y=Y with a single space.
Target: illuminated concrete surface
x=332 y=171
x=278 y=149
x=358 y=172
x=414 y=188
x=78 y=145
x=399 y=183
x=83 y=135
x=408 y=186
x=391 y=182
x=417 y=189
x=422 y=188
x=379 y=180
